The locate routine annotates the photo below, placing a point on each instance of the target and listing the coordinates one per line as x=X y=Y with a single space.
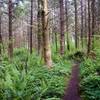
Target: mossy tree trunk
x=45 y=34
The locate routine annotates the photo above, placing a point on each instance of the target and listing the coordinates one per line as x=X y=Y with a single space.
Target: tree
x=31 y=26
x=89 y=29
x=0 y=29
x=76 y=35
x=98 y=14
x=93 y=21
x=85 y=18
x=62 y=35
x=10 y=47
x=55 y=28
x=67 y=26
x=45 y=34
x=39 y=36
x=0 y=36
x=82 y=23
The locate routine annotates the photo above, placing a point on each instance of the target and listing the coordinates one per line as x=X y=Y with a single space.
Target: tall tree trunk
x=10 y=47
x=93 y=21
x=66 y=10
x=89 y=29
x=55 y=32
x=98 y=11
x=56 y=43
x=82 y=23
x=31 y=26
x=76 y=30
x=46 y=41
x=39 y=36
x=62 y=35
x=0 y=36
x=85 y=23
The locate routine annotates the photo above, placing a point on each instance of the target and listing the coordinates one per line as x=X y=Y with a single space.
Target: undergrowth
x=90 y=77
x=26 y=78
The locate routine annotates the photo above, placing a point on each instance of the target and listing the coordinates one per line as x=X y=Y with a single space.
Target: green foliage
x=20 y=10
x=91 y=87
x=77 y=56
x=90 y=78
x=25 y=77
x=87 y=68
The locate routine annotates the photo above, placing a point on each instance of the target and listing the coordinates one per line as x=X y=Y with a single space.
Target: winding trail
x=72 y=92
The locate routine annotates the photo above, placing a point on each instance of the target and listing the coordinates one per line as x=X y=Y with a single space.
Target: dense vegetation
x=90 y=79
x=90 y=75
x=27 y=78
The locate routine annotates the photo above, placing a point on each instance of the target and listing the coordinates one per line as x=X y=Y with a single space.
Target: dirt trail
x=72 y=92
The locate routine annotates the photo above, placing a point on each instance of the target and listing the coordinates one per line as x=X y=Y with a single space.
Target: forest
x=49 y=49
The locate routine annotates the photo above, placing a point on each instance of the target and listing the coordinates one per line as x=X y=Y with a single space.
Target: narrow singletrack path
x=72 y=92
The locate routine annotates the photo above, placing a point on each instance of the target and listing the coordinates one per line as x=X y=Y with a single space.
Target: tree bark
x=0 y=37
x=10 y=47
x=62 y=35
x=93 y=21
x=82 y=23
x=66 y=10
x=85 y=24
x=31 y=26
x=89 y=29
x=76 y=35
x=98 y=17
x=39 y=36
x=56 y=43
x=45 y=34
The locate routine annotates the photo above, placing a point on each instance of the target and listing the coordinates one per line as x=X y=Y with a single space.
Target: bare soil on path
x=72 y=92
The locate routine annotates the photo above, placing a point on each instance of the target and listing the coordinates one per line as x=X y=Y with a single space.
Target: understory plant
x=90 y=78
x=26 y=78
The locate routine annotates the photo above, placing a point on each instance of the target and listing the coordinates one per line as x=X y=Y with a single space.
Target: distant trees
x=43 y=17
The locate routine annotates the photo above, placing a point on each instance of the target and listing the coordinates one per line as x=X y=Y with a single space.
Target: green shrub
x=87 y=67
x=90 y=87
x=38 y=83
x=90 y=78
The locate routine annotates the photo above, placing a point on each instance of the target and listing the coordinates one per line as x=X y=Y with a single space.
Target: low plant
x=90 y=78
x=26 y=78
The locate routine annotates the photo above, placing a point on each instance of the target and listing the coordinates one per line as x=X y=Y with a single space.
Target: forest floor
x=72 y=92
